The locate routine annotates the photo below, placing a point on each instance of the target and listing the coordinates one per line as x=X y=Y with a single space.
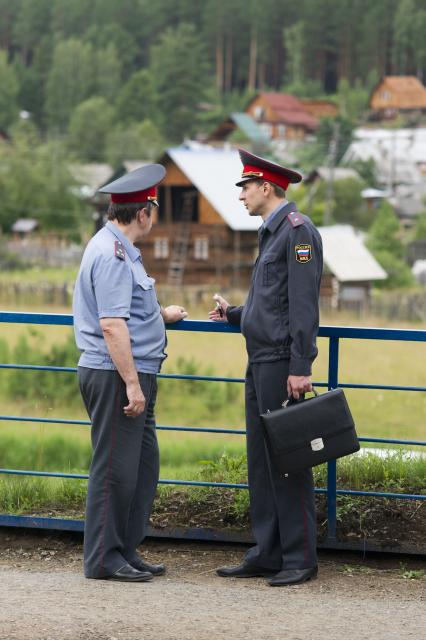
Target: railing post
x=333 y=370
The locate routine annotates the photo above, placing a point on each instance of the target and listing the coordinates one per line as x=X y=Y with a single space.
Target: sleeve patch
x=303 y=252
x=119 y=250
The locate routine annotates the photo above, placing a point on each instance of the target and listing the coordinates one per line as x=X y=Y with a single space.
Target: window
x=161 y=248
x=201 y=248
x=267 y=129
x=281 y=129
x=258 y=112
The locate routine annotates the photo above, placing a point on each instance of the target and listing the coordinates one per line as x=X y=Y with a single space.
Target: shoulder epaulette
x=295 y=219
x=119 y=250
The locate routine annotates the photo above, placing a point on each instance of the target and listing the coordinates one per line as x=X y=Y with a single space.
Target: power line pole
x=332 y=155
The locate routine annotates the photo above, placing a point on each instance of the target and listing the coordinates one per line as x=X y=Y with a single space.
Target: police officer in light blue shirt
x=120 y=332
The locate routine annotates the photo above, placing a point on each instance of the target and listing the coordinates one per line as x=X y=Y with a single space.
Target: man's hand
x=173 y=313
x=219 y=313
x=298 y=385
x=136 y=400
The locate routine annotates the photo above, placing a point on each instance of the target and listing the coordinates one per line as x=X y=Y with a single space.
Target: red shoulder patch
x=295 y=219
x=119 y=250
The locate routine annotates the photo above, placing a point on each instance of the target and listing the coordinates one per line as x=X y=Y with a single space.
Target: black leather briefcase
x=308 y=432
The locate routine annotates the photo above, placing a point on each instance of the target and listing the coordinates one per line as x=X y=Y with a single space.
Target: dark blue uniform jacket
x=280 y=317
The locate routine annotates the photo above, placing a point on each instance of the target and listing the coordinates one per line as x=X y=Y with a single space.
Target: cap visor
x=241 y=182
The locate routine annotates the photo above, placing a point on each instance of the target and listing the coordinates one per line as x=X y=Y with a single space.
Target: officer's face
x=253 y=197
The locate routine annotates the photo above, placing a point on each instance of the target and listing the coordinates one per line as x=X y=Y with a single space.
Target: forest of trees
x=178 y=66
x=108 y=80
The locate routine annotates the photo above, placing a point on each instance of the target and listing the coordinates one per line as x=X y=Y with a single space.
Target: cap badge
x=252 y=174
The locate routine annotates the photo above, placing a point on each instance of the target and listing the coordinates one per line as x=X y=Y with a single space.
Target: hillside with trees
x=181 y=65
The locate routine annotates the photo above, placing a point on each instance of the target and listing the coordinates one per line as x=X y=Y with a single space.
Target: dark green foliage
x=348 y=205
x=71 y=80
x=44 y=388
x=90 y=125
x=420 y=227
x=137 y=98
x=35 y=182
x=179 y=68
x=8 y=94
x=385 y=243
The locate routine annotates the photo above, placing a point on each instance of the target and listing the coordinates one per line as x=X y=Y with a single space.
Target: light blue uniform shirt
x=110 y=287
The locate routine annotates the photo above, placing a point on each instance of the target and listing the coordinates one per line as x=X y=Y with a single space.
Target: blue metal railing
x=334 y=334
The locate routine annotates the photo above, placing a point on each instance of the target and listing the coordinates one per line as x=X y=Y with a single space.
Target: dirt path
x=44 y=596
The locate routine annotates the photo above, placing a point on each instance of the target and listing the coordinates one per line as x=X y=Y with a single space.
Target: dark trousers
x=282 y=509
x=123 y=474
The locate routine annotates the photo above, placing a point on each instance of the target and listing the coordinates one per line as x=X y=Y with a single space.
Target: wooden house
x=282 y=116
x=349 y=269
x=397 y=94
x=203 y=235
x=277 y=117
x=320 y=108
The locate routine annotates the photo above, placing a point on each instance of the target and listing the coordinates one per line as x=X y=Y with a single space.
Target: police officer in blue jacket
x=279 y=321
x=120 y=332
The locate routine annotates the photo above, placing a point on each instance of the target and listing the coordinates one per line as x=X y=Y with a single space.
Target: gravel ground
x=44 y=596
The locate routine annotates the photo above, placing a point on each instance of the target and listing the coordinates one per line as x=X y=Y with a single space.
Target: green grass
x=392 y=473
x=37 y=275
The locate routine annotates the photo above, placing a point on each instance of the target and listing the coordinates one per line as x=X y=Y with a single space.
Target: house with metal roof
x=399 y=156
x=349 y=268
x=245 y=125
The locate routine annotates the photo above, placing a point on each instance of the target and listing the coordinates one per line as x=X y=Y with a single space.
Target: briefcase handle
x=292 y=400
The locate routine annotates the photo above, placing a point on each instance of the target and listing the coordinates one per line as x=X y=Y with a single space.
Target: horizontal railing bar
x=87 y=423
x=49 y=474
x=36 y=318
x=38 y=367
x=201 y=429
x=179 y=376
x=421 y=443
x=367 y=333
x=45 y=420
x=199 y=483
x=195 y=429
x=383 y=387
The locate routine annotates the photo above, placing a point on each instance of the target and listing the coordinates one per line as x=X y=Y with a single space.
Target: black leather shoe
x=293 y=576
x=127 y=573
x=155 y=569
x=244 y=571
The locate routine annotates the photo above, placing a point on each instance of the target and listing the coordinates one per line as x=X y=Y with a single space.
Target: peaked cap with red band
x=255 y=168
x=139 y=185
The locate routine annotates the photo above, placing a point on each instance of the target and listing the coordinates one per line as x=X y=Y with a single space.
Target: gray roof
x=397 y=153
x=214 y=173
x=249 y=127
x=339 y=173
x=91 y=176
x=347 y=257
